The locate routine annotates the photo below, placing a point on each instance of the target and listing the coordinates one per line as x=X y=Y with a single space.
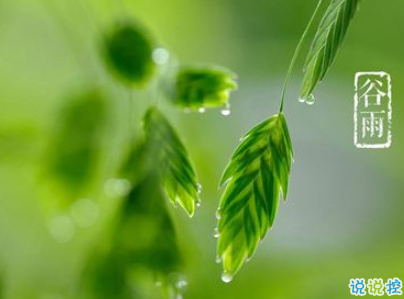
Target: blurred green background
x=343 y=218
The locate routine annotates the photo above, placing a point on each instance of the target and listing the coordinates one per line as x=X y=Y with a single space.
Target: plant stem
x=297 y=51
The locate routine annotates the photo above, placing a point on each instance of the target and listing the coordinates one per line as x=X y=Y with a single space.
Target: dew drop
x=181 y=283
x=218 y=259
x=161 y=56
x=227 y=277
x=202 y=110
x=218 y=216
x=226 y=110
x=199 y=187
x=216 y=233
x=309 y=100
x=198 y=203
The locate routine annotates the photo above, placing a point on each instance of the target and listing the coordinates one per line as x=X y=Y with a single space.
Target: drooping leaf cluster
x=144 y=238
x=128 y=51
x=327 y=41
x=198 y=88
x=143 y=241
x=256 y=175
x=175 y=168
x=163 y=151
x=75 y=146
x=259 y=169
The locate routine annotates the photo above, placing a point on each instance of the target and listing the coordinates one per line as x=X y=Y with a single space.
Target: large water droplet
x=226 y=110
x=114 y=188
x=201 y=110
x=227 y=277
x=161 y=56
x=85 y=212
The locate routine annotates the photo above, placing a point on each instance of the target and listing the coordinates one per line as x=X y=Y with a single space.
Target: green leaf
x=197 y=88
x=128 y=52
x=143 y=244
x=106 y=277
x=75 y=147
x=177 y=173
x=256 y=175
x=329 y=37
x=145 y=234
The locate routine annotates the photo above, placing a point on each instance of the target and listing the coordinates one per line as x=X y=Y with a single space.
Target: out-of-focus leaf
x=171 y=159
x=329 y=37
x=255 y=176
x=107 y=278
x=75 y=147
x=128 y=52
x=145 y=233
x=143 y=240
x=201 y=87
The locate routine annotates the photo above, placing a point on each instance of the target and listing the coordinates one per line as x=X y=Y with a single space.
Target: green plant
x=260 y=167
x=74 y=149
x=158 y=166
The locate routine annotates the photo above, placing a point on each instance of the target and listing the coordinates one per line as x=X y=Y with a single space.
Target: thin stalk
x=296 y=54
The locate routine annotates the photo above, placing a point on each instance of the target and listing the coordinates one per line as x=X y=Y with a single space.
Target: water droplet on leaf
x=202 y=110
x=227 y=277
x=218 y=216
x=309 y=100
x=199 y=187
x=226 y=110
x=216 y=233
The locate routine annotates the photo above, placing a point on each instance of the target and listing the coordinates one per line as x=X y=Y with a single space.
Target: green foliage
x=255 y=176
x=207 y=87
x=328 y=39
x=106 y=278
x=128 y=53
x=171 y=158
x=75 y=147
x=143 y=240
